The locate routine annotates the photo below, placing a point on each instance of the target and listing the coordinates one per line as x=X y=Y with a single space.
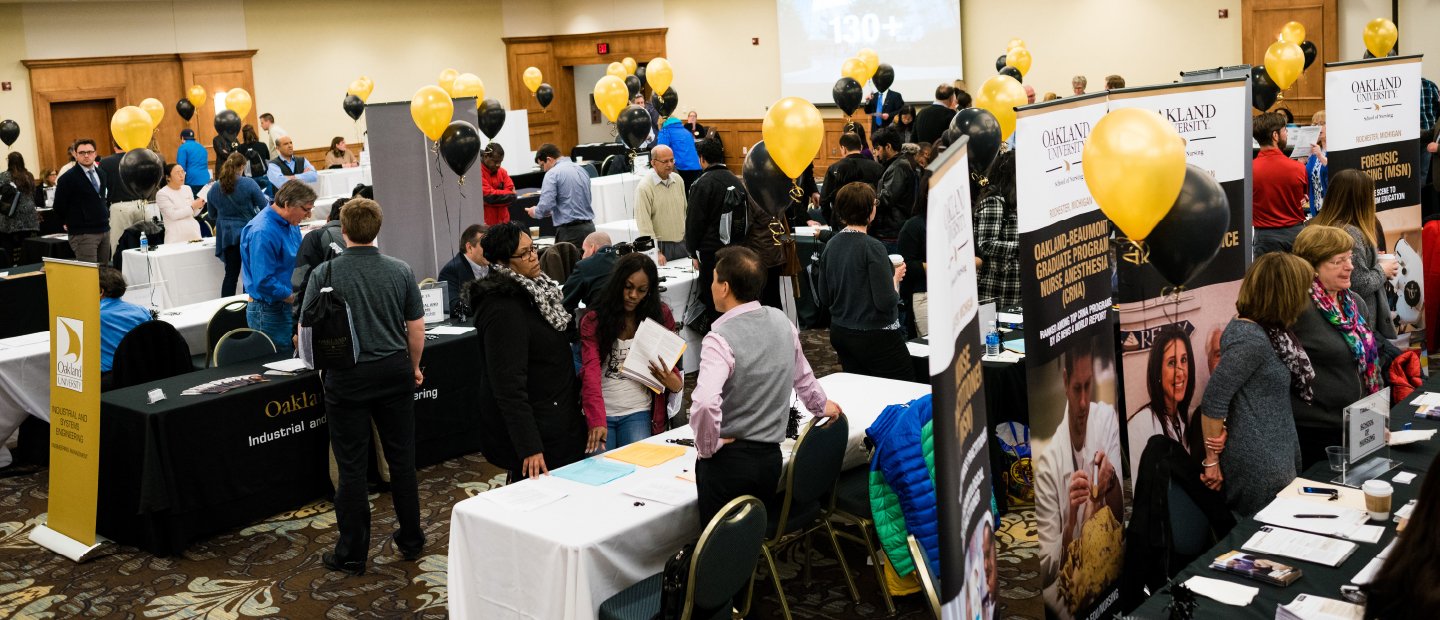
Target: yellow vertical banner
x=74 y=292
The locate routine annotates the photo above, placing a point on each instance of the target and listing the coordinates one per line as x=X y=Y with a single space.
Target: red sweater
x=592 y=400
x=1279 y=190
x=497 y=183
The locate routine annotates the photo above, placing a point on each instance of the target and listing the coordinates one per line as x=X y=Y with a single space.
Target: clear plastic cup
x=1336 y=454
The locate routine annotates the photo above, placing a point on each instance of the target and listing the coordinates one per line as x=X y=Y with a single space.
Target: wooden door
x=1260 y=26
x=72 y=120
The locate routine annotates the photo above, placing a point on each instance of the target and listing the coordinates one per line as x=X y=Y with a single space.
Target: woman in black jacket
x=529 y=398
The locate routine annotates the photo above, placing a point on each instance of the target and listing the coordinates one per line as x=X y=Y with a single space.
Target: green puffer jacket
x=886 y=505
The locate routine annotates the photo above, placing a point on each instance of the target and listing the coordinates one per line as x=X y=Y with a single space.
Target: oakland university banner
x=1169 y=337
x=962 y=470
x=1069 y=342
x=1372 y=114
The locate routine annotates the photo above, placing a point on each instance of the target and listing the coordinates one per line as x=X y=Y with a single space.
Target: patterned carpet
x=273 y=569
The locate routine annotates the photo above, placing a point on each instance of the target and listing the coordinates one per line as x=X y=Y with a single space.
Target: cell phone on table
x=1333 y=493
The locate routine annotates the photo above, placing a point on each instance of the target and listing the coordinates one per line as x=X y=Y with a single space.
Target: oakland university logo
x=69 y=353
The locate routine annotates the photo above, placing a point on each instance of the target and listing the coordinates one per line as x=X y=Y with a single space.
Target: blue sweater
x=232 y=211
x=674 y=135
x=193 y=158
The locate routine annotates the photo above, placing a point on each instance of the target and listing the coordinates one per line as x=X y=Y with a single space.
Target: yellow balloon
x=854 y=68
x=793 y=132
x=616 y=69
x=871 y=61
x=468 y=85
x=1284 y=61
x=131 y=127
x=369 y=87
x=239 y=101
x=1380 y=37
x=659 y=74
x=630 y=65
x=447 y=79
x=196 y=95
x=1019 y=58
x=155 y=109
x=999 y=96
x=1134 y=163
x=1014 y=43
x=611 y=96
x=360 y=89
x=1293 y=32
x=431 y=108
x=532 y=78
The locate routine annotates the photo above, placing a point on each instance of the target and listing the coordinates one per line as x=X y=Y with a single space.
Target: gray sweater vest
x=756 y=401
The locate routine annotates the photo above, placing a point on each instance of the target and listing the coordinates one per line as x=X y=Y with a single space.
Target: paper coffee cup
x=1377 y=499
x=896 y=260
x=534 y=232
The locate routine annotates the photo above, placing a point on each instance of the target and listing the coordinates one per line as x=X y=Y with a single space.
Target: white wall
x=718 y=73
x=15 y=104
x=80 y=29
x=585 y=78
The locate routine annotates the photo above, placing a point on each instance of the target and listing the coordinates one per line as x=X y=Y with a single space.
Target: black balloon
x=766 y=182
x=633 y=125
x=354 y=107
x=545 y=94
x=185 y=109
x=227 y=124
x=884 y=77
x=9 y=131
x=847 y=93
x=1263 y=90
x=1000 y=62
x=1190 y=234
x=1310 y=52
x=1014 y=73
x=460 y=145
x=142 y=171
x=632 y=84
x=984 y=132
x=492 y=118
x=640 y=73
x=666 y=104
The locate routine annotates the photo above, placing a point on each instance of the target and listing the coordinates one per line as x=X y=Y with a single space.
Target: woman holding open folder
x=622 y=409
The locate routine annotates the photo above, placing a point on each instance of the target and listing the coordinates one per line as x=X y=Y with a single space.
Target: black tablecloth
x=35 y=249
x=597 y=152
x=1318 y=579
x=527 y=179
x=191 y=466
x=525 y=198
x=24 y=302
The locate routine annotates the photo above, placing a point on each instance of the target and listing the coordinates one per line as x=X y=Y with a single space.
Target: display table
x=597 y=151
x=562 y=560
x=1318 y=579
x=24 y=300
x=37 y=249
x=341 y=182
x=677 y=281
x=190 y=466
x=620 y=231
x=178 y=274
x=612 y=198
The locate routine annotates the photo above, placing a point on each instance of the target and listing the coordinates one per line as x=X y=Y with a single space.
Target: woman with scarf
x=1351 y=207
x=529 y=397
x=1251 y=449
x=1343 y=350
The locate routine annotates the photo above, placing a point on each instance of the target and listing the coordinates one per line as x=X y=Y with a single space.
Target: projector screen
x=919 y=38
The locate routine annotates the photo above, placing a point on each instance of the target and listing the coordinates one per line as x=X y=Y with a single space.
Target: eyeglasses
x=1339 y=261
x=84 y=152
x=527 y=252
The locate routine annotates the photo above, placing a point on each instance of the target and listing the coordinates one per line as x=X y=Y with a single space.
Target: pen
x=1316 y=516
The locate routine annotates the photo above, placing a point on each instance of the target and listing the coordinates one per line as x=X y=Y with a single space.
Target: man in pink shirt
x=749 y=362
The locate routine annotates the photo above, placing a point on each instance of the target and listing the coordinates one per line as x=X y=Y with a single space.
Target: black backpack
x=673 y=583
x=735 y=215
x=327 y=334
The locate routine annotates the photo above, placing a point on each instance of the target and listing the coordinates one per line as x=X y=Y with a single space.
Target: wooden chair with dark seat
x=720 y=566
x=152 y=351
x=229 y=317
x=241 y=345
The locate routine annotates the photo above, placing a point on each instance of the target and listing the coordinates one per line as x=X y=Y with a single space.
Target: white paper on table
x=293 y=364
x=1426 y=399
x=1400 y=438
x=1404 y=477
x=1311 y=607
x=449 y=330
x=1223 y=591
x=523 y=497
x=1299 y=545
x=1348 y=523
x=1367 y=574
x=666 y=491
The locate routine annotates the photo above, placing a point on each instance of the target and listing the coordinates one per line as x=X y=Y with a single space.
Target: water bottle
x=992 y=340
x=144 y=243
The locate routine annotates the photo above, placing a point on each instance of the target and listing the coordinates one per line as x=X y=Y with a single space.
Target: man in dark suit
x=854 y=166
x=469 y=264
x=935 y=119
x=126 y=208
x=80 y=204
x=591 y=273
x=883 y=107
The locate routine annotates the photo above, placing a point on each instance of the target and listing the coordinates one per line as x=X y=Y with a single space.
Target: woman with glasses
x=529 y=397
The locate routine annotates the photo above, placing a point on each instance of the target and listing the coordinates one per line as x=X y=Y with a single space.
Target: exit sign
x=602 y=48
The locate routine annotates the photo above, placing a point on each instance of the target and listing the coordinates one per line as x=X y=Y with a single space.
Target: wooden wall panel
x=218 y=72
x=740 y=134
x=1261 y=21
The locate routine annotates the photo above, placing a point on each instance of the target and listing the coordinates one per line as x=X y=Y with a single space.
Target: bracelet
x=1210 y=464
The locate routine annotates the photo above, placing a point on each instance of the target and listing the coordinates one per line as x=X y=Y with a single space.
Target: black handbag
x=673 y=583
x=327 y=334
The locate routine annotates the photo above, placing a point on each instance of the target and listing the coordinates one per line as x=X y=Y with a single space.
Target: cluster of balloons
x=1289 y=56
x=865 y=66
x=1134 y=163
x=356 y=95
x=992 y=120
x=621 y=83
x=1015 y=62
x=237 y=105
x=141 y=169
x=534 y=81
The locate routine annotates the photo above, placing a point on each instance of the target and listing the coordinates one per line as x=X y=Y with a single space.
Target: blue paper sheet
x=595 y=471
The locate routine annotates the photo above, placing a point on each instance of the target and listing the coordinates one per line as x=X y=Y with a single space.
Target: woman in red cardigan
x=620 y=410
x=495 y=185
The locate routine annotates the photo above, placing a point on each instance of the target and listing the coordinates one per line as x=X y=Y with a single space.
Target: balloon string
x=796 y=194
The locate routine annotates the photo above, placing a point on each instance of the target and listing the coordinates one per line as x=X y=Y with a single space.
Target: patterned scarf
x=1346 y=318
x=545 y=292
x=1302 y=374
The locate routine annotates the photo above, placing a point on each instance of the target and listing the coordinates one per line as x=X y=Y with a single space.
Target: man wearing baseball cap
x=194 y=159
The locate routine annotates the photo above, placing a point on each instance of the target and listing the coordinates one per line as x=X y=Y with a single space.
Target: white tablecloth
x=612 y=198
x=25 y=372
x=176 y=274
x=563 y=560
x=678 y=280
x=341 y=181
x=620 y=231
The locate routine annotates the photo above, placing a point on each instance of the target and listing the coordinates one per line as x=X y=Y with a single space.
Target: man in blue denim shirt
x=564 y=196
x=268 y=245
